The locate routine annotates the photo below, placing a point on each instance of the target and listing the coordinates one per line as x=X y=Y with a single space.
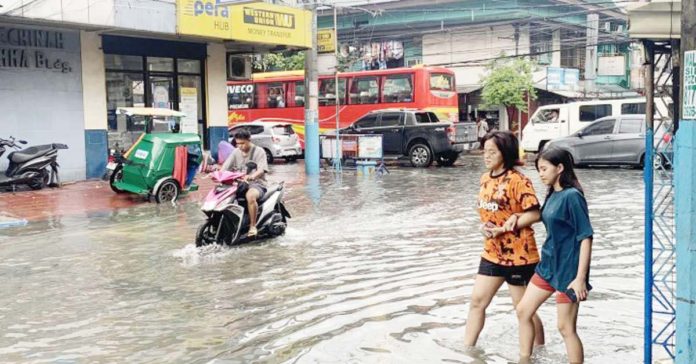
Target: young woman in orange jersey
x=508 y=206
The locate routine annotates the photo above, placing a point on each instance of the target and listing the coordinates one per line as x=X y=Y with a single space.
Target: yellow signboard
x=255 y=22
x=205 y=18
x=325 y=40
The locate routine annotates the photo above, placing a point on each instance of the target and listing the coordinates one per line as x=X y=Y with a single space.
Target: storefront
x=152 y=73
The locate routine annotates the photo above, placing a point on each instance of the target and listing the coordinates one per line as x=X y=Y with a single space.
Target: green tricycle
x=163 y=161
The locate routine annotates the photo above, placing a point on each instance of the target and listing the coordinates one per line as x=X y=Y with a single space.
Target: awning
x=656 y=20
x=465 y=89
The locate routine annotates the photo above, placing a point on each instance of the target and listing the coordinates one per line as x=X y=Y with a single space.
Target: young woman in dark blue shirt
x=564 y=268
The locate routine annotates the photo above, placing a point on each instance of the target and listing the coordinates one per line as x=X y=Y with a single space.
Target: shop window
x=327 y=91
x=123 y=63
x=188 y=66
x=241 y=96
x=275 y=95
x=158 y=64
x=398 y=88
x=364 y=90
x=594 y=112
x=123 y=90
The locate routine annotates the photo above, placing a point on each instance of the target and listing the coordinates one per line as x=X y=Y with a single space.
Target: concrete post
x=312 y=107
x=591 y=52
x=685 y=193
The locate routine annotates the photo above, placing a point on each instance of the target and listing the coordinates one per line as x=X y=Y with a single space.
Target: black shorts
x=259 y=187
x=517 y=275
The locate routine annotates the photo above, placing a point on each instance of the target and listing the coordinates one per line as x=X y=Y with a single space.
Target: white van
x=554 y=121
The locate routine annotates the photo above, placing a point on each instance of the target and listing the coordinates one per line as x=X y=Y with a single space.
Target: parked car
x=560 y=120
x=418 y=135
x=278 y=139
x=616 y=140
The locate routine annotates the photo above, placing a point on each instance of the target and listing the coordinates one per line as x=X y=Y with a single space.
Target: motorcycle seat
x=269 y=191
x=30 y=153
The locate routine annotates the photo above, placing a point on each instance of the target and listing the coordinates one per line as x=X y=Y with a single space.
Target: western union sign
x=255 y=23
x=268 y=18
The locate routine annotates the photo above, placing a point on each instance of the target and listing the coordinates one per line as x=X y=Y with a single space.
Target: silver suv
x=278 y=139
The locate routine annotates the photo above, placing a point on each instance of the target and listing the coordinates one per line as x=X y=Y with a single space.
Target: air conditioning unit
x=238 y=67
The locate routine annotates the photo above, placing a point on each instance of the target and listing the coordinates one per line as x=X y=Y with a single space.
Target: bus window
x=594 y=112
x=397 y=88
x=275 y=95
x=441 y=82
x=364 y=90
x=299 y=97
x=240 y=97
x=327 y=91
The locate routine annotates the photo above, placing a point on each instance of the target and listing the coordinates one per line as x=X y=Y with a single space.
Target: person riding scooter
x=238 y=161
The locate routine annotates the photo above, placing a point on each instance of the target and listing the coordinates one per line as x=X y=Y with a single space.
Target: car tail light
x=451 y=134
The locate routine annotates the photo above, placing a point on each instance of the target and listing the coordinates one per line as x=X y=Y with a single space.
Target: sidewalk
x=73 y=199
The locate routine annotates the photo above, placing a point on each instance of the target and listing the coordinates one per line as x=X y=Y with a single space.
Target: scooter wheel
x=116 y=176
x=39 y=181
x=205 y=235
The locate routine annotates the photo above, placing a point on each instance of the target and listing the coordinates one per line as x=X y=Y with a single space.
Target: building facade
x=66 y=68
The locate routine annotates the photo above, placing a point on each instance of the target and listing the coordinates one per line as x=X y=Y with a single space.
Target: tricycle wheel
x=116 y=176
x=167 y=191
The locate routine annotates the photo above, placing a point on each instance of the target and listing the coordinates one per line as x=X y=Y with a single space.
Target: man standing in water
x=237 y=161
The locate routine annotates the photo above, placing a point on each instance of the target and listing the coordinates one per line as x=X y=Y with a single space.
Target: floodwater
x=371 y=270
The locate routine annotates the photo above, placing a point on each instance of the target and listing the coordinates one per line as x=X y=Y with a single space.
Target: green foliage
x=508 y=83
x=289 y=61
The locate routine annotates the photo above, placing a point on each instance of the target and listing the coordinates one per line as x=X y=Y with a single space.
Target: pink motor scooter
x=227 y=220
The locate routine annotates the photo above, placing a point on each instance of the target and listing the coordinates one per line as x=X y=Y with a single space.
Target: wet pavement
x=371 y=270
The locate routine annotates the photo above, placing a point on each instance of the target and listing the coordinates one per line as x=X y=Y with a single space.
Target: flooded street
x=371 y=270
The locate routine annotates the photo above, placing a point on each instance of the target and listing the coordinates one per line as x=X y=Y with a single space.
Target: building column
x=94 y=104
x=216 y=91
x=556 y=48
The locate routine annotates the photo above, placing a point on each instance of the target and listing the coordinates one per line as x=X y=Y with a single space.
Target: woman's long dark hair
x=556 y=157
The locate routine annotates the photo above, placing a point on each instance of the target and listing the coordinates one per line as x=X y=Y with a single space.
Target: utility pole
x=685 y=192
x=591 y=52
x=312 y=106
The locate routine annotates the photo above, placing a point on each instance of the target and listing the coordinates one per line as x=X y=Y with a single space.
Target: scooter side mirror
x=22 y=142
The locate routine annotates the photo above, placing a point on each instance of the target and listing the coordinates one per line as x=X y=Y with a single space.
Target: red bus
x=280 y=96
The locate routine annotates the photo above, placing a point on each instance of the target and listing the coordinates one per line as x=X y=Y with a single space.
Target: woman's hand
x=485 y=231
x=511 y=223
x=580 y=287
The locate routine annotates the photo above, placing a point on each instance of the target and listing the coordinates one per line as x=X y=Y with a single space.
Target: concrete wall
x=75 y=11
x=471 y=46
x=46 y=105
x=147 y=15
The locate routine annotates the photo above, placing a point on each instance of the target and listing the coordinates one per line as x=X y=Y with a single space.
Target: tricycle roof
x=150 y=111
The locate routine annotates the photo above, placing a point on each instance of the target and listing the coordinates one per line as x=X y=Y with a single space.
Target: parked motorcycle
x=36 y=166
x=226 y=210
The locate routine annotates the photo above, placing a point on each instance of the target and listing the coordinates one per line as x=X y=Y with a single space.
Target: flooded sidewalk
x=371 y=270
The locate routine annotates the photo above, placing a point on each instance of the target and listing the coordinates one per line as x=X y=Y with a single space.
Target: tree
x=288 y=61
x=508 y=83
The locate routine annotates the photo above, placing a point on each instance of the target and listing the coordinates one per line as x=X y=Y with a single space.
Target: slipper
x=252 y=232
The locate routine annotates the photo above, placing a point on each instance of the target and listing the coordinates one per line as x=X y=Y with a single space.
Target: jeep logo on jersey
x=240 y=89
